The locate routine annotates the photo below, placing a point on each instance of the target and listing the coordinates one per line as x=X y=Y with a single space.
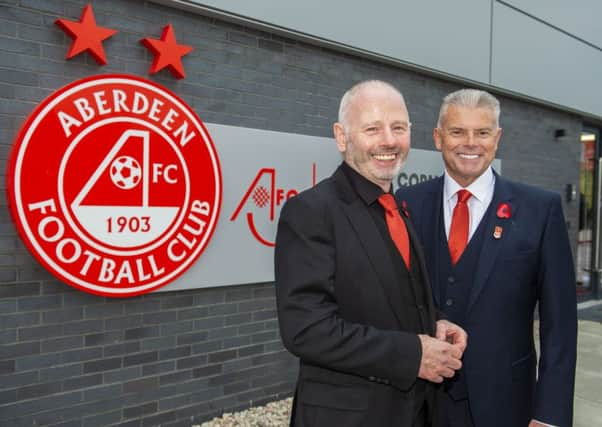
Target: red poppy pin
x=404 y=208
x=504 y=211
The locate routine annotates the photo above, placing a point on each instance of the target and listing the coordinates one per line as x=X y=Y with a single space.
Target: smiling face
x=375 y=136
x=468 y=140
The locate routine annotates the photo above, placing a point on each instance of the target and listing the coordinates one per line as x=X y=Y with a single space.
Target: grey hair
x=350 y=95
x=470 y=98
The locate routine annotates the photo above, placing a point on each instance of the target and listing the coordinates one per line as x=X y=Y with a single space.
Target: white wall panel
x=532 y=58
x=580 y=18
x=448 y=36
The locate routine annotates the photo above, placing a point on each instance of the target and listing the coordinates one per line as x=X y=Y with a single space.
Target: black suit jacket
x=527 y=263
x=340 y=312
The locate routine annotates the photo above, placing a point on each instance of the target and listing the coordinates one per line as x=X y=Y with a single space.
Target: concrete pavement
x=588 y=382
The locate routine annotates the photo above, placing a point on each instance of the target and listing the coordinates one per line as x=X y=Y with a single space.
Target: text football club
x=115 y=185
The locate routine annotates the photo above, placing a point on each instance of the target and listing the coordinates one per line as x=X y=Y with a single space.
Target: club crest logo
x=115 y=185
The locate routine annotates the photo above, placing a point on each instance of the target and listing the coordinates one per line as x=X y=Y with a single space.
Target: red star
x=168 y=53
x=86 y=35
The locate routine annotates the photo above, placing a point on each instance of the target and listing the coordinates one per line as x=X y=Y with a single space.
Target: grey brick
x=174 y=353
x=102 y=393
x=145 y=332
x=192 y=338
x=176 y=377
x=122 y=322
x=176 y=328
x=62 y=344
x=191 y=362
x=63 y=315
x=81 y=355
x=102 y=420
x=8 y=396
x=102 y=365
x=207 y=371
x=104 y=310
x=19 y=380
x=122 y=348
x=158 y=368
x=11 y=321
x=160 y=317
x=137 y=411
x=159 y=419
x=19 y=350
x=265 y=336
x=207 y=347
x=104 y=338
x=209 y=323
x=26 y=363
x=84 y=327
x=264 y=315
x=140 y=385
x=38 y=390
x=19 y=77
x=80 y=382
x=193 y=313
x=60 y=372
x=221 y=309
x=39 y=332
x=222 y=356
x=39 y=303
x=159 y=343
x=19 y=290
x=121 y=375
x=177 y=302
x=60 y=400
x=140 y=359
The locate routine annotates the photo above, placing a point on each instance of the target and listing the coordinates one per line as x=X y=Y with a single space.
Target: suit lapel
x=492 y=246
x=371 y=240
x=430 y=223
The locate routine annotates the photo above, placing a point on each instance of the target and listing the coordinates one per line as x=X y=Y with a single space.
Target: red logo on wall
x=115 y=185
x=263 y=193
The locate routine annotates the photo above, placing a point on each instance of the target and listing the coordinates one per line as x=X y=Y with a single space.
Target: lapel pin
x=497 y=233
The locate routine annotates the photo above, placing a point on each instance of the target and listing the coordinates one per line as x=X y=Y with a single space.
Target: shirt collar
x=368 y=191
x=479 y=188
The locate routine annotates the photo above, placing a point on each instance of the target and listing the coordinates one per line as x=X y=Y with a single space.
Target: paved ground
x=588 y=383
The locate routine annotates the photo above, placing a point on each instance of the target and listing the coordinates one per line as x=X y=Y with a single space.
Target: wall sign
x=115 y=185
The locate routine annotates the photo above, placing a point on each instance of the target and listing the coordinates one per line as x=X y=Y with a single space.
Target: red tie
x=397 y=228
x=458 y=232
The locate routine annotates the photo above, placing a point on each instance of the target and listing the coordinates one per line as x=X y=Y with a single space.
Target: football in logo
x=115 y=185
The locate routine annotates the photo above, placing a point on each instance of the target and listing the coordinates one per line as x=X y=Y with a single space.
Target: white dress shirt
x=482 y=194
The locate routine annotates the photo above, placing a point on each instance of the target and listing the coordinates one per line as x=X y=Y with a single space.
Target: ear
x=340 y=137
x=437 y=137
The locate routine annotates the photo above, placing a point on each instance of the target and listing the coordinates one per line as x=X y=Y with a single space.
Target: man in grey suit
x=354 y=303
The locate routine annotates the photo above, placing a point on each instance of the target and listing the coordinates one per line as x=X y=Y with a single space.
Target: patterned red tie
x=458 y=232
x=397 y=228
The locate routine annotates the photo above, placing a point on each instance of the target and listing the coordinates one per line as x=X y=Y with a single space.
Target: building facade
x=176 y=358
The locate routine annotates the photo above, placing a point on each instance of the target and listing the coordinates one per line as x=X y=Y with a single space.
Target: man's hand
x=440 y=359
x=452 y=333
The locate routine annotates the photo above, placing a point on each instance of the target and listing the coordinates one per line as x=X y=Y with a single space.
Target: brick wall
x=72 y=359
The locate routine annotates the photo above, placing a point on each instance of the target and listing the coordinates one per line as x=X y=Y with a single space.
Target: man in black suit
x=353 y=307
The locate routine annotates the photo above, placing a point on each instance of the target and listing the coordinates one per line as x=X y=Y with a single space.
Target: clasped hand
x=441 y=356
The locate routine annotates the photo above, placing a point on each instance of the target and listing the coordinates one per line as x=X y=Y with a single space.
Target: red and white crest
x=115 y=185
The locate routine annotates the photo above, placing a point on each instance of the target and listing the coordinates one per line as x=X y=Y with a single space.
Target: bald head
x=368 y=88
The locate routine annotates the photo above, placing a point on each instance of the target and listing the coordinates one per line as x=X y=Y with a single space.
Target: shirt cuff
x=544 y=424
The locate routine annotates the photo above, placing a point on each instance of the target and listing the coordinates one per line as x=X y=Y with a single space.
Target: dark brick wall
x=72 y=359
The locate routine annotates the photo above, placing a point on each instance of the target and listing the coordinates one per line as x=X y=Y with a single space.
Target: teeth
x=384 y=156
x=469 y=156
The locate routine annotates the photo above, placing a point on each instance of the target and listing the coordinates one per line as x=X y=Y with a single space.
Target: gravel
x=274 y=414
